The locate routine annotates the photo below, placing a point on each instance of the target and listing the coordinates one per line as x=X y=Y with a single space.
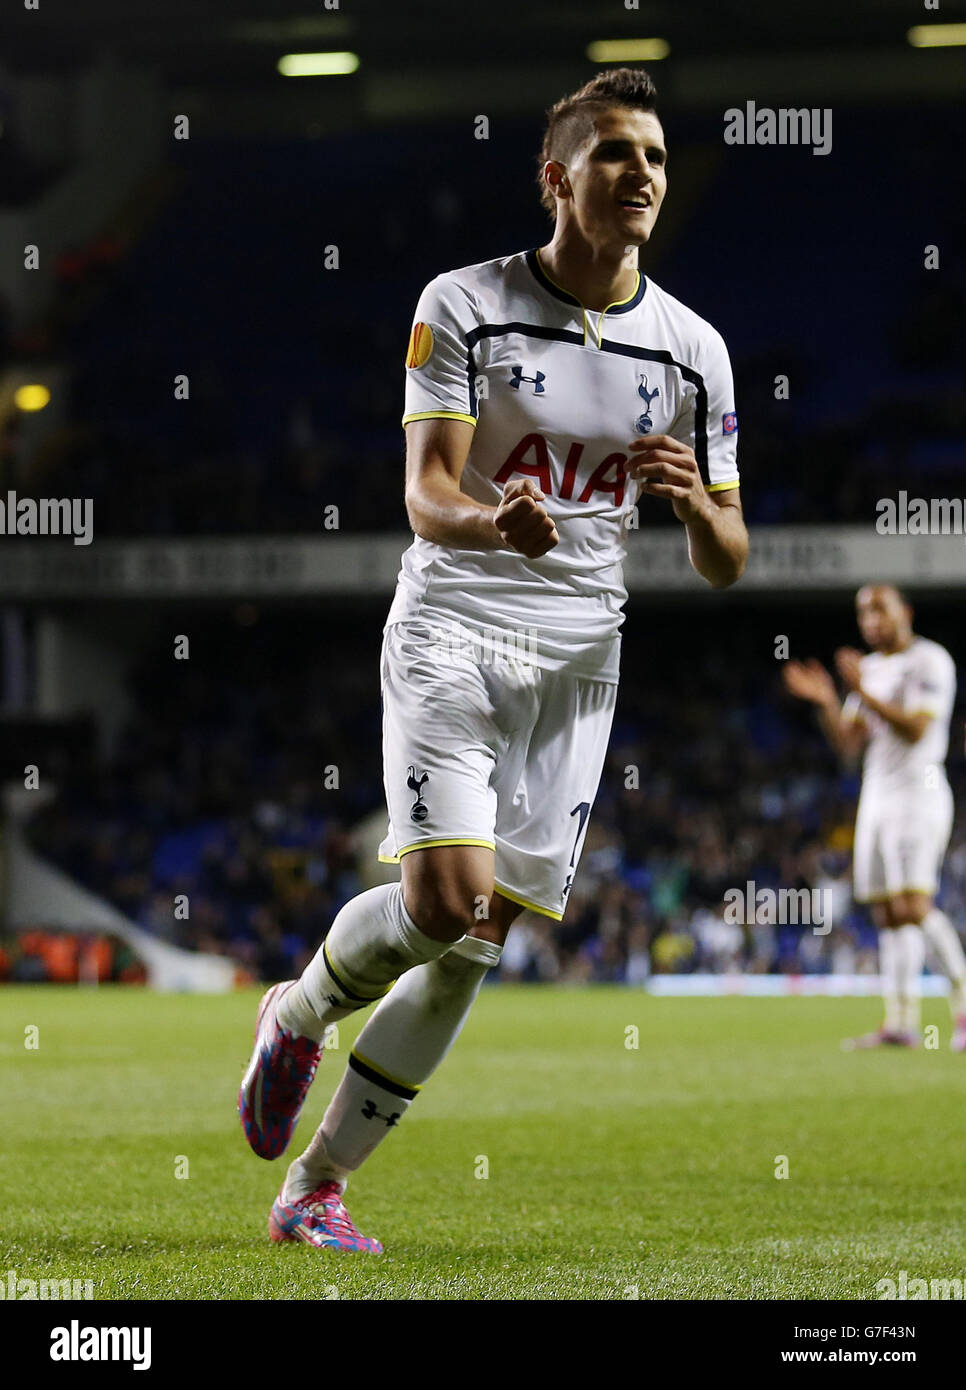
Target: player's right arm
x=842 y=725
x=436 y=453
x=441 y=415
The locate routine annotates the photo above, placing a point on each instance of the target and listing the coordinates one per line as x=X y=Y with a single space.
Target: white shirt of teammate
x=920 y=679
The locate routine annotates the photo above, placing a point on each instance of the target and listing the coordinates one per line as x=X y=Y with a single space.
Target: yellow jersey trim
x=615 y=304
x=381 y=1071
x=439 y=415
x=553 y=281
x=723 y=487
x=618 y=302
x=525 y=902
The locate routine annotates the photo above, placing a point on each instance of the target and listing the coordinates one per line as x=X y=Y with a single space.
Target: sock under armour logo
x=371 y=1113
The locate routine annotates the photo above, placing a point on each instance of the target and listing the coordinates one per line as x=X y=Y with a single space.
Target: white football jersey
x=920 y=678
x=556 y=392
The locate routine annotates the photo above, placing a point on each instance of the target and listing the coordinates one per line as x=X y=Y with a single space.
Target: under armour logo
x=538 y=380
x=419 y=810
x=371 y=1113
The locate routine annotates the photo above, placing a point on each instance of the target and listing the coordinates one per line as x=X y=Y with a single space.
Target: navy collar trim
x=543 y=279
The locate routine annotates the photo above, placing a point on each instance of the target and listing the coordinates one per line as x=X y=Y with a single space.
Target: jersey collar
x=622 y=306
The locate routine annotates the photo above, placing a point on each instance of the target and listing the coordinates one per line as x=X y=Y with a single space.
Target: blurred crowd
x=240 y=784
x=296 y=395
x=240 y=779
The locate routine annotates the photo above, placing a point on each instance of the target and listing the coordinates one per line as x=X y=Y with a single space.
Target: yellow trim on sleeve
x=431 y=844
x=439 y=415
x=381 y=1071
x=723 y=487
x=525 y=902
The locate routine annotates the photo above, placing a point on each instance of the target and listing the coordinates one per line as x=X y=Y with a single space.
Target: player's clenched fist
x=668 y=468
x=522 y=522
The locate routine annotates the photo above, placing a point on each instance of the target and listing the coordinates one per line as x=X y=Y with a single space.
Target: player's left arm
x=717 y=535
x=706 y=501
x=909 y=724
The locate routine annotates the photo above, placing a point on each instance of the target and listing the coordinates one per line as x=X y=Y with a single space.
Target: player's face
x=619 y=178
x=882 y=616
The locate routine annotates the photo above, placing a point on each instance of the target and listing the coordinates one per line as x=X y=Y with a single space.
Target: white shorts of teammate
x=489 y=749
x=900 y=843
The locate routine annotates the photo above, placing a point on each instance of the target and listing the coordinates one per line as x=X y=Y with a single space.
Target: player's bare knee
x=915 y=907
x=447 y=890
x=495 y=922
x=444 y=911
x=882 y=916
x=446 y=905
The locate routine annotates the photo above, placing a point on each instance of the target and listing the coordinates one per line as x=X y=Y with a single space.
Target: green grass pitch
x=612 y=1171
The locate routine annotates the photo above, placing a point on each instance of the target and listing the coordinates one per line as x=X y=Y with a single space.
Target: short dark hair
x=900 y=594
x=569 y=121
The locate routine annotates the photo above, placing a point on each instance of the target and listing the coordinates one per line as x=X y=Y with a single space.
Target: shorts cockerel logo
x=419 y=810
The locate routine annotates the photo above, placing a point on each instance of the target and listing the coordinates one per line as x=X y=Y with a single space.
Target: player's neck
x=901 y=644
x=597 y=278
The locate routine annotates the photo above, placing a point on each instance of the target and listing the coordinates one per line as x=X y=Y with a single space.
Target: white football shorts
x=485 y=748
x=900 y=843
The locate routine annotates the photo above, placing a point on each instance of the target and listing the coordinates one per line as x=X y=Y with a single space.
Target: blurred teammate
x=898 y=710
x=546 y=392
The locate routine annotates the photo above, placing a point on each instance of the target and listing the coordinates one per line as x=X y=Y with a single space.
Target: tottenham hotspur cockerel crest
x=419 y=810
x=644 y=423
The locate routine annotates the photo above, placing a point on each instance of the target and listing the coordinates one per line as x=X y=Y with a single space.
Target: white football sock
x=402 y=1044
x=944 y=940
x=372 y=941
x=888 y=972
x=911 y=958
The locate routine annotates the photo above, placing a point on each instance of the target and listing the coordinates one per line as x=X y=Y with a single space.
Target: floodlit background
x=196 y=213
